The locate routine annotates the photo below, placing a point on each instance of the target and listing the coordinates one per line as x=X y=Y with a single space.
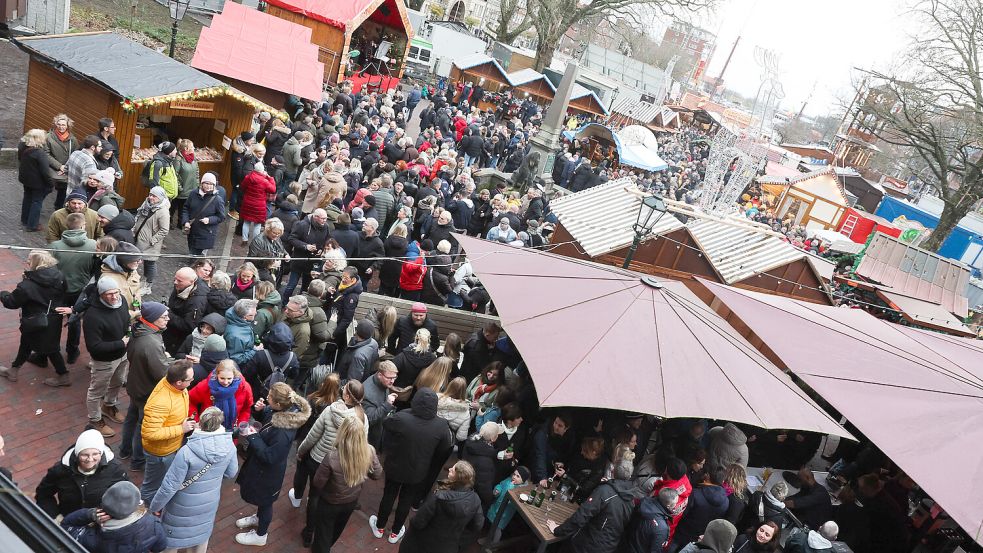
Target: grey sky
x=819 y=42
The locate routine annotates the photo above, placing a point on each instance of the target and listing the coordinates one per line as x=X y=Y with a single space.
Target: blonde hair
x=356 y=392
x=226 y=365
x=220 y=281
x=736 y=477
x=354 y=452
x=463 y=477
x=34 y=138
x=421 y=341
x=247 y=266
x=211 y=419
x=328 y=393
x=40 y=259
x=185 y=145
x=456 y=388
x=399 y=230
x=258 y=150
x=388 y=367
x=435 y=376
x=282 y=394
x=452 y=346
x=59 y=117
x=263 y=289
x=387 y=322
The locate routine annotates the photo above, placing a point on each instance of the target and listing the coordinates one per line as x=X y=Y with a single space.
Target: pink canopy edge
x=596 y=336
x=917 y=395
x=255 y=47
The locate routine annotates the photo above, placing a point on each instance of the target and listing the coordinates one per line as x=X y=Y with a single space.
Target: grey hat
x=108 y=211
x=365 y=329
x=106 y=284
x=159 y=192
x=780 y=491
x=214 y=342
x=127 y=253
x=120 y=500
x=151 y=311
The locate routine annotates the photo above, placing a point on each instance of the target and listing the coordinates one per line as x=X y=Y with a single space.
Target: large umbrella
x=917 y=395
x=597 y=336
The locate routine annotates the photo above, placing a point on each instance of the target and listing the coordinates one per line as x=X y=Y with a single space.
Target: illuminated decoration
x=131 y=105
x=723 y=185
x=770 y=93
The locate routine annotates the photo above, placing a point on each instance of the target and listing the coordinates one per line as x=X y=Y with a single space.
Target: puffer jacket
x=728 y=445
x=649 y=532
x=218 y=301
x=441 y=521
x=481 y=455
x=320 y=333
x=599 y=523
x=457 y=413
x=240 y=340
x=413 y=437
x=706 y=503
x=268 y=313
x=64 y=489
x=329 y=479
x=321 y=438
x=137 y=533
x=189 y=513
x=267 y=451
x=121 y=227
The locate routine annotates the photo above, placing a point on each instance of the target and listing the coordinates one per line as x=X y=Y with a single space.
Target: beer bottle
x=553 y=495
x=540 y=498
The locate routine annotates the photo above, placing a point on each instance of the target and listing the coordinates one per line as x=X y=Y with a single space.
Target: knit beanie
x=106 y=284
x=121 y=500
x=151 y=311
x=214 y=342
x=106 y=176
x=167 y=147
x=77 y=194
x=90 y=439
x=365 y=329
x=126 y=253
x=418 y=307
x=108 y=211
x=523 y=473
x=159 y=192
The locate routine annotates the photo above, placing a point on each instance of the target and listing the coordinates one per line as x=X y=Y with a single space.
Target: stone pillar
x=48 y=17
x=547 y=141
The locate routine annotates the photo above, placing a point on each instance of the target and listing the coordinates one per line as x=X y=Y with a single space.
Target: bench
x=462 y=323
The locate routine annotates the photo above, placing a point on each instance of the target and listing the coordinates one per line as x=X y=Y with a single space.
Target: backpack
x=277 y=375
x=145 y=174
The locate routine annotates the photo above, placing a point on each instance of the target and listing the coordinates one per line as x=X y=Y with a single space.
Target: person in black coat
x=288 y=213
x=436 y=281
x=370 y=250
x=34 y=174
x=120 y=226
x=581 y=178
x=600 y=522
x=307 y=241
x=135 y=529
x=201 y=215
x=404 y=333
x=186 y=307
x=648 y=531
x=281 y=413
x=278 y=342
x=80 y=477
x=482 y=215
x=392 y=266
x=414 y=437
x=479 y=351
x=811 y=505
x=346 y=237
x=38 y=297
x=707 y=502
x=481 y=453
x=446 y=515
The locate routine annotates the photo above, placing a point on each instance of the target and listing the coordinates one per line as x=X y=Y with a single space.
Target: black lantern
x=651 y=209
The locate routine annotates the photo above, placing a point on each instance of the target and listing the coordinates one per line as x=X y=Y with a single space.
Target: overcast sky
x=819 y=43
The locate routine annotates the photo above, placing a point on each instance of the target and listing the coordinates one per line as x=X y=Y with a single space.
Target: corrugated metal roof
x=925 y=313
x=916 y=273
x=600 y=218
x=737 y=253
x=639 y=111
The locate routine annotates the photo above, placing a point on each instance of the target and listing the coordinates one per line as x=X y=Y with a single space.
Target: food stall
x=584 y=101
x=481 y=69
x=535 y=85
x=149 y=96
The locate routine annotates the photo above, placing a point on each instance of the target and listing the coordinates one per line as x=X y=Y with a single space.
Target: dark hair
x=511 y=411
x=105 y=122
x=178 y=370
x=350 y=271
x=345 y=219
x=496 y=366
x=776 y=535
x=90 y=141
x=717 y=475
x=566 y=418
x=675 y=468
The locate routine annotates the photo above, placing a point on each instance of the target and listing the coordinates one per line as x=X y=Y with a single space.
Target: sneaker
x=234 y=215
x=146 y=290
x=394 y=538
x=102 y=427
x=112 y=413
x=247 y=522
x=10 y=373
x=293 y=499
x=57 y=381
x=375 y=531
x=251 y=538
x=73 y=356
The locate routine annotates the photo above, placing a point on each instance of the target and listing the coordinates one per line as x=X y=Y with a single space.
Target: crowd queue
x=226 y=378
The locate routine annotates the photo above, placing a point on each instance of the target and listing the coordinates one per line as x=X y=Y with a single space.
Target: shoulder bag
x=35 y=323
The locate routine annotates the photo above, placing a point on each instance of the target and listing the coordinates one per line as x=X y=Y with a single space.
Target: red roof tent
x=253 y=47
x=349 y=14
x=858 y=225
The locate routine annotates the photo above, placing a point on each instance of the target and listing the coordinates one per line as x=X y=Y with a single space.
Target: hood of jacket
x=651 y=509
x=216 y=321
x=74 y=238
x=210 y=359
x=141 y=329
x=211 y=447
x=273 y=300
x=305 y=318
x=294 y=417
x=123 y=221
x=626 y=489
x=48 y=277
x=460 y=502
x=413 y=250
x=732 y=435
x=353 y=289
x=234 y=319
x=424 y=404
x=817 y=541
x=313 y=301
x=719 y=536
x=279 y=339
x=447 y=403
x=715 y=496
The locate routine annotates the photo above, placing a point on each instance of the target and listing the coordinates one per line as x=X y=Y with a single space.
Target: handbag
x=195 y=478
x=35 y=323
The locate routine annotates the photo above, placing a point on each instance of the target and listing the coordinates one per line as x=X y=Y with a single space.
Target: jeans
x=61 y=192
x=330 y=522
x=250 y=230
x=104 y=384
x=236 y=199
x=74 y=327
x=493 y=162
x=265 y=515
x=295 y=277
x=132 y=443
x=407 y=494
x=153 y=475
x=30 y=209
x=468 y=160
x=149 y=271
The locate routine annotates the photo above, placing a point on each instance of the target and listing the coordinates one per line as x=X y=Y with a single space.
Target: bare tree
x=552 y=18
x=513 y=20
x=933 y=105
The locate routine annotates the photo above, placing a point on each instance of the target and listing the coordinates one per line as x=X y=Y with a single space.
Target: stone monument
x=547 y=141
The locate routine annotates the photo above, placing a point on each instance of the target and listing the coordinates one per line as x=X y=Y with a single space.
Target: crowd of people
x=225 y=378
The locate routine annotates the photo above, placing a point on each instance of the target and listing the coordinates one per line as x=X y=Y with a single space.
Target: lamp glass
x=178 y=8
x=649 y=212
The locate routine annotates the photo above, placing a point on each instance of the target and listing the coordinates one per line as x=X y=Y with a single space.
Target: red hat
x=418 y=307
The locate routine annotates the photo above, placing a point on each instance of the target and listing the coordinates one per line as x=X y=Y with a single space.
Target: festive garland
x=131 y=104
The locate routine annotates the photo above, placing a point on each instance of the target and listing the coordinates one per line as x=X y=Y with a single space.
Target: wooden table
x=535 y=517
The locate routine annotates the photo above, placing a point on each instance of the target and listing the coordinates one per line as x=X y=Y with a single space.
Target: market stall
x=70 y=74
x=535 y=85
x=625 y=147
x=814 y=200
x=349 y=34
x=583 y=100
x=480 y=69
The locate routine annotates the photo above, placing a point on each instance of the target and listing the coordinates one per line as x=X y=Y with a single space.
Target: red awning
x=917 y=395
x=598 y=336
x=345 y=14
x=254 y=47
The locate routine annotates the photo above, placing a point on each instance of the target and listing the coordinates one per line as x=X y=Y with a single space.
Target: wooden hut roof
x=349 y=14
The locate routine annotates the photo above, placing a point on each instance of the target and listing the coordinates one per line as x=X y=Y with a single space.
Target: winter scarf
x=224 y=397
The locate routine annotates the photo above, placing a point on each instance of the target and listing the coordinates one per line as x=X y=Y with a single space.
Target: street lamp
x=649 y=212
x=178 y=8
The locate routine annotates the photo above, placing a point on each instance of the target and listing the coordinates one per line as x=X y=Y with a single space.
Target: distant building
x=690 y=40
x=614 y=65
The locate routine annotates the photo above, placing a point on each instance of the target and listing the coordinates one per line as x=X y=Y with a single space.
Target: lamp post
x=178 y=8
x=649 y=212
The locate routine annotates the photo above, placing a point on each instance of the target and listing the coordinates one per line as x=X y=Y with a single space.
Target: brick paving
x=34 y=442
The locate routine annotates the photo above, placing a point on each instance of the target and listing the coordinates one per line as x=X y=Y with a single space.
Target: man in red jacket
x=675 y=478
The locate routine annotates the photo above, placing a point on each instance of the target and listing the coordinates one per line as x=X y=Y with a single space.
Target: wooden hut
x=814 y=200
x=341 y=26
x=584 y=100
x=596 y=225
x=149 y=96
x=533 y=83
x=480 y=69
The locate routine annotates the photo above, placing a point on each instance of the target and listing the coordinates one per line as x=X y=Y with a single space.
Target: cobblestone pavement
x=39 y=423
